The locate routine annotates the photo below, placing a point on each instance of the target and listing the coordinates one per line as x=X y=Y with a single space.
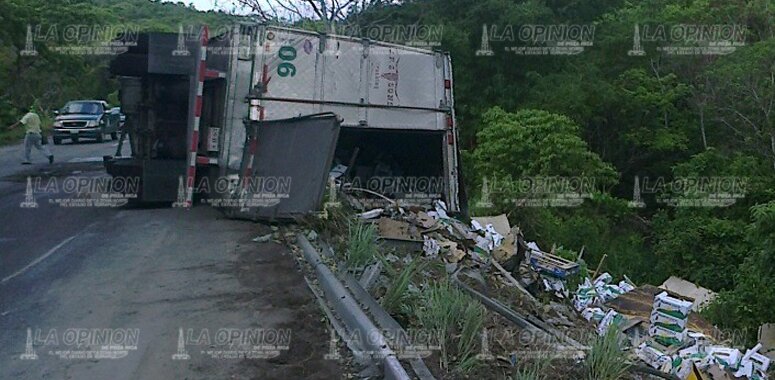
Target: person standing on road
x=33 y=136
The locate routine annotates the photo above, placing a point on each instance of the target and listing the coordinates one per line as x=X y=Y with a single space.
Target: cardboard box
x=725 y=356
x=654 y=357
x=671 y=305
x=667 y=337
x=668 y=321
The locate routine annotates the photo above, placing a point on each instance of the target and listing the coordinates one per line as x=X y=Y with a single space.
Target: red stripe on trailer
x=212 y=74
x=201 y=73
x=194 y=141
x=265 y=77
x=203 y=70
x=198 y=106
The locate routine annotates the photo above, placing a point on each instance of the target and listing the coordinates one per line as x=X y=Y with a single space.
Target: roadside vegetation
x=397 y=295
x=53 y=78
x=538 y=369
x=361 y=244
x=458 y=318
x=606 y=360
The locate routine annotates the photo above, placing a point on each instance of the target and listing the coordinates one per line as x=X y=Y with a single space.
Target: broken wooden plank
x=513 y=281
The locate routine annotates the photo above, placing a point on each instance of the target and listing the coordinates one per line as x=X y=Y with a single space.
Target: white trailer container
x=398 y=133
x=190 y=104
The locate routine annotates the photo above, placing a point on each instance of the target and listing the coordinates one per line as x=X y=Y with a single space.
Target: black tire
x=114 y=136
x=57 y=141
x=75 y=140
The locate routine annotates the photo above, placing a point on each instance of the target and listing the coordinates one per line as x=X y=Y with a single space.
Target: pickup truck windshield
x=82 y=108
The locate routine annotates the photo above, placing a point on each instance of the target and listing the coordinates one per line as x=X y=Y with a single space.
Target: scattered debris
x=610 y=318
x=370 y=275
x=430 y=246
x=599 y=291
x=550 y=264
x=491 y=261
x=337 y=171
x=499 y=222
x=263 y=238
x=398 y=230
x=699 y=295
x=767 y=339
x=371 y=214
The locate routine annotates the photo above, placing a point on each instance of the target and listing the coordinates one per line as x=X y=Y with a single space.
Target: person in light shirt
x=32 y=137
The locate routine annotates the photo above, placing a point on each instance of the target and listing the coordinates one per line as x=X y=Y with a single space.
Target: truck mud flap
x=285 y=167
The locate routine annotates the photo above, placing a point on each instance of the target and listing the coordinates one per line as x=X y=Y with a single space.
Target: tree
x=743 y=89
x=536 y=143
x=329 y=11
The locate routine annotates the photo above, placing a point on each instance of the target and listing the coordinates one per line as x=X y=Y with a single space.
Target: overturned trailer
x=200 y=110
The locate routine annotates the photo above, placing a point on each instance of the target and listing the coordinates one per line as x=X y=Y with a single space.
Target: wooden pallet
x=553 y=265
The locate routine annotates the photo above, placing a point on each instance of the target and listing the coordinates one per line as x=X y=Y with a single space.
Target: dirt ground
x=287 y=294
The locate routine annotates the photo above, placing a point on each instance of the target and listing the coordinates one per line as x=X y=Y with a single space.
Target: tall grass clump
x=361 y=244
x=606 y=360
x=397 y=293
x=457 y=318
x=535 y=370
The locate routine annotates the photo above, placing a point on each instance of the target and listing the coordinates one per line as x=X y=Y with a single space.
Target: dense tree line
x=613 y=116
x=52 y=77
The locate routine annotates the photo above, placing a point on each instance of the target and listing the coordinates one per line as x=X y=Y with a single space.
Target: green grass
x=606 y=360
x=361 y=244
x=534 y=370
x=8 y=137
x=458 y=318
x=397 y=293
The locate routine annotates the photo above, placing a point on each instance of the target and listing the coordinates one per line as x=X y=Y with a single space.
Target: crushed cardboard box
x=700 y=296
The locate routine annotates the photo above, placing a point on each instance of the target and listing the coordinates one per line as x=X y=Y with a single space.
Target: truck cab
x=93 y=119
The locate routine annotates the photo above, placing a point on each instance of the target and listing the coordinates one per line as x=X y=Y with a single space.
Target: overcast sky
x=204 y=5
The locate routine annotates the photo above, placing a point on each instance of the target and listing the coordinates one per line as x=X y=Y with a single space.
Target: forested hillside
x=601 y=114
x=51 y=78
x=613 y=116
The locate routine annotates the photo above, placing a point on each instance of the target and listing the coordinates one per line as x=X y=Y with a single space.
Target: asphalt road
x=104 y=292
